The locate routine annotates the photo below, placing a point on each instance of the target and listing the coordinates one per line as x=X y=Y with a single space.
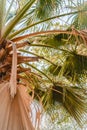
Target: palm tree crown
x=42 y=50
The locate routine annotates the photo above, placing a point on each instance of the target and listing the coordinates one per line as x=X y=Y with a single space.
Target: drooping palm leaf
x=75 y=104
x=2 y=13
x=74 y=66
x=17 y=18
x=15 y=113
x=79 y=20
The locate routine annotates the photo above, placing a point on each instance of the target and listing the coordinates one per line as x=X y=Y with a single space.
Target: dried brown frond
x=14 y=112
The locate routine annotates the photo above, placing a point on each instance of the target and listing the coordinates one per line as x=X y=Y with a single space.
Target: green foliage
x=17 y=18
x=54 y=69
x=2 y=13
x=45 y=8
x=55 y=40
x=56 y=51
x=74 y=66
x=79 y=20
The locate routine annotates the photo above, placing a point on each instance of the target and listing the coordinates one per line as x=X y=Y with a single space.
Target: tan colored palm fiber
x=13 y=79
x=14 y=102
x=14 y=112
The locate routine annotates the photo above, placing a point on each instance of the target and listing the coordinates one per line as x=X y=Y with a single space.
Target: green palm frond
x=46 y=7
x=73 y=98
x=42 y=21
x=17 y=18
x=74 y=66
x=45 y=75
x=79 y=20
x=76 y=103
x=54 y=69
x=54 y=40
x=41 y=57
x=2 y=14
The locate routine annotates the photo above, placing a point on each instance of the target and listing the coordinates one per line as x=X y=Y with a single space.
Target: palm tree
x=19 y=29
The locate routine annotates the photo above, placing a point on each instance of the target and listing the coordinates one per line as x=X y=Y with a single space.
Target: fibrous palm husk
x=14 y=102
x=74 y=100
x=14 y=112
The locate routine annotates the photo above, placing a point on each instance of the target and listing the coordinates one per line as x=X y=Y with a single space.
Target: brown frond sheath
x=13 y=79
x=41 y=33
x=18 y=45
x=14 y=112
x=14 y=99
x=21 y=70
x=23 y=59
x=74 y=32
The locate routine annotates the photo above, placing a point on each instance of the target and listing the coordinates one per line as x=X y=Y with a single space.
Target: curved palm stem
x=20 y=45
x=16 y=39
x=39 y=22
x=40 y=72
x=17 y=18
x=2 y=12
x=28 y=52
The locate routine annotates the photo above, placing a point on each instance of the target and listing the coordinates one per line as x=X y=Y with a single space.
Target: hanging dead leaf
x=14 y=112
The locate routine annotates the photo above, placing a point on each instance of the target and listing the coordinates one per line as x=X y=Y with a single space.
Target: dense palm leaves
x=30 y=27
